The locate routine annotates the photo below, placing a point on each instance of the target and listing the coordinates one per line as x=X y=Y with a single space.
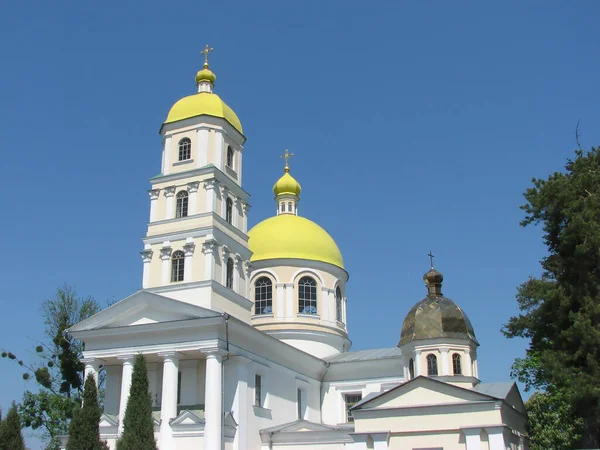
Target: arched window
x=456 y=364
x=289 y=206
x=307 y=296
x=185 y=149
x=263 y=296
x=228 y=210
x=177 y=266
x=229 y=274
x=338 y=303
x=411 y=368
x=432 y=369
x=181 y=209
x=230 y=156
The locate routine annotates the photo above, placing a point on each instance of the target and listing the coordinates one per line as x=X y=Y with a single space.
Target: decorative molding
x=246 y=208
x=181 y=163
x=225 y=252
x=154 y=194
x=210 y=183
x=247 y=268
x=189 y=248
x=172 y=356
x=193 y=186
x=209 y=246
x=165 y=253
x=170 y=191
x=237 y=259
x=146 y=255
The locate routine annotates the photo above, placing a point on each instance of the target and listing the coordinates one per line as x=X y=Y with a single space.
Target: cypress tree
x=10 y=431
x=138 y=425
x=84 y=433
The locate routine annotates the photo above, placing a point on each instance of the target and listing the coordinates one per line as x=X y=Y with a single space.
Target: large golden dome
x=288 y=236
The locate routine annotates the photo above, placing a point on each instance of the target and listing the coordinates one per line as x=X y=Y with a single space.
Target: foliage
x=551 y=423
x=138 y=425
x=10 y=431
x=560 y=311
x=57 y=373
x=84 y=432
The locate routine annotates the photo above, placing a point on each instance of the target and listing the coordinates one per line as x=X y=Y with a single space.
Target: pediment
x=142 y=308
x=108 y=421
x=422 y=391
x=300 y=426
x=187 y=418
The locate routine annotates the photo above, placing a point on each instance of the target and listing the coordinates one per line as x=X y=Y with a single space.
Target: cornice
x=336 y=271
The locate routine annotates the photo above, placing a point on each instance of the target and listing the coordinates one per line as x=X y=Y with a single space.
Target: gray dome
x=436 y=316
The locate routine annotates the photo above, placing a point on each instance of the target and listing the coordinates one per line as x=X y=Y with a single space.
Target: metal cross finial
x=430 y=258
x=287 y=155
x=205 y=52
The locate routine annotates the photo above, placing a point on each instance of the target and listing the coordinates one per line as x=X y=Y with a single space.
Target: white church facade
x=244 y=331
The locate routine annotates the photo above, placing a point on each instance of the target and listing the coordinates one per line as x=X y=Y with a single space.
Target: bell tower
x=196 y=246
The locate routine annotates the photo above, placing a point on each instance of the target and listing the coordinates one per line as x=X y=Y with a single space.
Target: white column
x=472 y=439
x=241 y=402
x=189 y=382
x=211 y=198
x=219 y=145
x=247 y=273
x=125 y=386
x=213 y=410
x=237 y=212
x=417 y=358
x=188 y=249
x=444 y=358
x=279 y=300
x=165 y=255
x=289 y=301
x=237 y=270
x=224 y=192
x=167 y=155
x=92 y=366
x=147 y=259
x=193 y=200
x=209 y=249
x=202 y=139
x=154 y=193
x=380 y=441
x=168 y=406
x=245 y=211
x=170 y=196
x=468 y=368
x=496 y=438
x=225 y=254
x=325 y=307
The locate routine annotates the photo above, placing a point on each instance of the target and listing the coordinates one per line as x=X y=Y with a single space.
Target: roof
x=496 y=390
x=365 y=355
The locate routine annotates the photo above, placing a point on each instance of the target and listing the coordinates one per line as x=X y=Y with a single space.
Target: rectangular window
x=351 y=400
x=299 y=401
x=258 y=390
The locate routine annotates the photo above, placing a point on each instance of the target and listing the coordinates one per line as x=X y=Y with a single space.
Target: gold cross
x=205 y=52
x=287 y=155
x=430 y=258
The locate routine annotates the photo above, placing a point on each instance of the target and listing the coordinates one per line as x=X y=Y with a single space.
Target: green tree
x=84 y=431
x=10 y=431
x=58 y=371
x=551 y=424
x=138 y=424
x=560 y=311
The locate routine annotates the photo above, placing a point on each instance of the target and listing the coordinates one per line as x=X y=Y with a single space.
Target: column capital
x=246 y=208
x=170 y=191
x=154 y=193
x=443 y=350
x=213 y=352
x=209 y=246
x=127 y=359
x=418 y=352
x=223 y=189
x=193 y=186
x=146 y=255
x=225 y=251
x=188 y=248
x=248 y=268
x=169 y=356
x=165 y=252
x=210 y=184
x=237 y=259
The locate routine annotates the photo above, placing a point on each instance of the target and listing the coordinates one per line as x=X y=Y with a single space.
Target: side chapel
x=244 y=332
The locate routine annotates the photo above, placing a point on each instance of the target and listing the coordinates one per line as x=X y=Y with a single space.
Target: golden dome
x=287 y=184
x=288 y=236
x=203 y=103
x=206 y=75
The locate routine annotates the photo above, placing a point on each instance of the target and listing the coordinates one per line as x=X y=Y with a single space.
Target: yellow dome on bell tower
x=205 y=101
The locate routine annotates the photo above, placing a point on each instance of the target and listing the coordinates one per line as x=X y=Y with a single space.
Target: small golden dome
x=206 y=75
x=287 y=184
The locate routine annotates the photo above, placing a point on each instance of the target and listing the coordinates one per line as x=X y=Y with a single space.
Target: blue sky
x=415 y=125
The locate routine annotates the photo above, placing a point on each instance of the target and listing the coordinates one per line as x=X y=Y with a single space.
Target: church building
x=244 y=331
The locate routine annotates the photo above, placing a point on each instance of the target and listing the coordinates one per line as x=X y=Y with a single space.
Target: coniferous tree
x=10 y=431
x=138 y=425
x=84 y=433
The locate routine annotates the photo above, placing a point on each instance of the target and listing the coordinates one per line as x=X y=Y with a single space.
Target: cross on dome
x=430 y=258
x=287 y=155
x=205 y=52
